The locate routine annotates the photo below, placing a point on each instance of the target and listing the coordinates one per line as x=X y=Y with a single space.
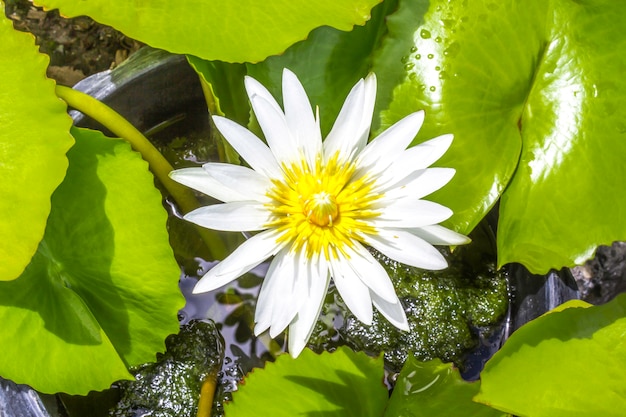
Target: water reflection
x=232 y=308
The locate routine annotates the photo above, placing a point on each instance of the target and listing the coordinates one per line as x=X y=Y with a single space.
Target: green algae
x=447 y=310
x=171 y=386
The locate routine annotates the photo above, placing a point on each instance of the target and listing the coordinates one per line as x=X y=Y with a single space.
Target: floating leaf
x=545 y=77
x=232 y=31
x=328 y=63
x=342 y=383
x=451 y=64
x=567 y=196
x=570 y=363
x=34 y=138
x=101 y=292
x=432 y=389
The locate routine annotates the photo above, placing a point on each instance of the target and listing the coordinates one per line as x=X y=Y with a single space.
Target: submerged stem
x=207 y=392
x=159 y=166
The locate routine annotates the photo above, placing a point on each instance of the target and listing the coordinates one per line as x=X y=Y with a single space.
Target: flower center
x=321 y=209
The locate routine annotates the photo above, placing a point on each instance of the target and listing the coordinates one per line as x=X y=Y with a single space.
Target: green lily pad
x=232 y=31
x=224 y=82
x=448 y=62
x=341 y=384
x=102 y=291
x=567 y=195
x=433 y=389
x=328 y=63
x=342 y=56
x=33 y=141
x=568 y=363
x=533 y=92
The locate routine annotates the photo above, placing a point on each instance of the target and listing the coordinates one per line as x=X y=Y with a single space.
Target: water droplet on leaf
x=452 y=50
x=447 y=23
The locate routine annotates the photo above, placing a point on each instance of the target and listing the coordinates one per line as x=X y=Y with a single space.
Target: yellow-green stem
x=159 y=166
x=207 y=392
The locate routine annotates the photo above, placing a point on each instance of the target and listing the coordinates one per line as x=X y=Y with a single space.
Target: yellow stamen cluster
x=323 y=208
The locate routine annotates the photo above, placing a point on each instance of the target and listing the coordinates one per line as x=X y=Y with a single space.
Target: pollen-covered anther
x=321 y=209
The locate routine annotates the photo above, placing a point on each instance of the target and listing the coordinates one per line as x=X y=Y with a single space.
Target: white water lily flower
x=317 y=205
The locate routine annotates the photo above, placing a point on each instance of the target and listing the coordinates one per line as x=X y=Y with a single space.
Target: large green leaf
x=435 y=389
x=34 y=137
x=446 y=61
x=224 y=88
x=570 y=363
x=328 y=63
x=101 y=292
x=567 y=196
x=542 y=76
x=232 y=31
x=340 y=384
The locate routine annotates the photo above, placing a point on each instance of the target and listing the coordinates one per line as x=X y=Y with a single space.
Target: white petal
x=411 y=212
x=427 y=153
x=277 y=134
x=416 y=184
x=349 y=134
x=370 y=271
x=392 y=311
x=302 y=325
x=248 y=255
x=245 y=180
x=280 y=296
x=238 y=216
x=300 y=118
x=415 y=160
x=439 y=235
x=272 y=121
x=354 y=292
x=385 y=150
x=407 y=248
x=368 y=108
x=199 y=180
x=249 y=146
x=289 y=295
x=266 y=301
x=256 y=89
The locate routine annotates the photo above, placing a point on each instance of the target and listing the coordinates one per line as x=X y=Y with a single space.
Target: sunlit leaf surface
x=533 y=92
x=102 y=290
x=570 y=363
x=338 y=384
x=435 y=389
x=34 y=137
x=232 y=31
